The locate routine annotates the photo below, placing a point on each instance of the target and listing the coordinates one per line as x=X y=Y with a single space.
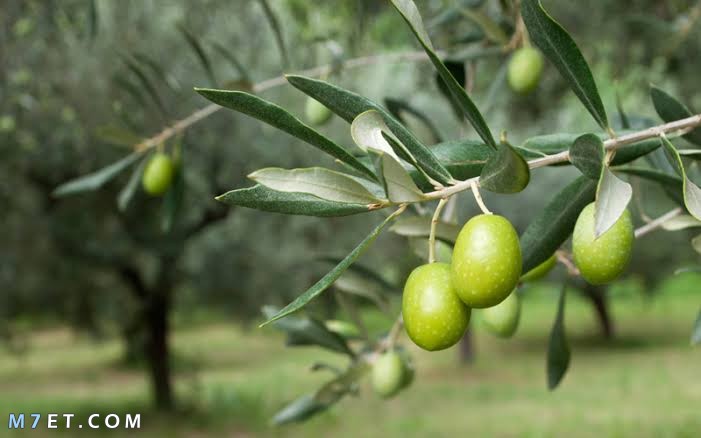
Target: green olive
x=602 y=260
x=317 y=113
x=486 y=263
x=342 y=328
x=502 y=319
x=158 y=174
x=525 y=68
x=388 y=374
x=434 y=316
x=540 y=271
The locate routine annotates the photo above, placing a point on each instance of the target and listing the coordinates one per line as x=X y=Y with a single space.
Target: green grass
x=644 y=384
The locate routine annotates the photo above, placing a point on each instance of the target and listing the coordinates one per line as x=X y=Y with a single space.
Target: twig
x=565 y=258
x=478 y=197
x=204 y=112
x=653 y=225
x=395 y=331
x=432 y=234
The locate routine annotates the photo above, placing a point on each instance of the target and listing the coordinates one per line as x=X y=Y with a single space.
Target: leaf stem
x=432 y=234
x=478 y=197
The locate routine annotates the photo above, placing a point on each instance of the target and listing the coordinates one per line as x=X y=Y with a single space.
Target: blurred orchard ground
x=82 y=81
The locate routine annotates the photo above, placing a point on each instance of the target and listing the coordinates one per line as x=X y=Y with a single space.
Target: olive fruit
x=525 y=68
x=434 y=316
x=317 y=113
x=601 y=260
x=502 y=319
x=388 y=374
x=158 y=174
x=342 y=328
x=540 y=271
x=486 y=261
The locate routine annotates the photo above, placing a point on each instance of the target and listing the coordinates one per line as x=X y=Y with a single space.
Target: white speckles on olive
x=602 y=260
x=486 y=263
x=434 y=316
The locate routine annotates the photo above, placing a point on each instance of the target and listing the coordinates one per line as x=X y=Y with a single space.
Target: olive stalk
x=478 y=197
x=432 y=233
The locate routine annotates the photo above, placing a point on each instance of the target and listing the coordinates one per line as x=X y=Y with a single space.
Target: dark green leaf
x=262 y=198
x=299 y=410
x=233 y=60
x=552 y=226
x=554 y=143
x=562 y=51
x=308 y=331
x=696 y=332
x=457 y=70
x=402 y=110
x=349 y=105
x=363 y=271
x=158 y=70
x=95 y=180
x=587 y=154
x=505 y=171
x=277 y=30
x=196 y=47
x=670 y=109
x=328 y=279
x=411 y=15
x=667 y=179
x=625 y=123
x=278 y=117
x=558 y=349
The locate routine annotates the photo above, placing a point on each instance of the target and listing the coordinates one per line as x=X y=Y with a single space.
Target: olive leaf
x=265 y=199
x=129 y=190
x=399 y=185
x=558 y=358
x=559 y=47
x=670 y=109
x=97 y=179
x=279 y=118
x=666 y=179
x=354 y=283
x=199 y=51
x=681 y=223
x=328 y=279
x=366 y=131
x=411 y=15
x=317 y=181
x=587 y=154
x=403 y=111
x=420 y=226
x=612 y=198
x=552 y=226
x=349 y=105
x=554 y=143
x=696 y=332
x=690 y=191
x=505 y=171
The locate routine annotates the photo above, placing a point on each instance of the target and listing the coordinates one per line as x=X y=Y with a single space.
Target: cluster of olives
x=158 y=174
x=486 y=268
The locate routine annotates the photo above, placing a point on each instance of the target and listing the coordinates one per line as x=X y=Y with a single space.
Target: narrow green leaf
x=505 y=171
x=300 y=409
x=349 y=105
x=233 y=60
x=625 y=123
x=262 y=198
x=278 y=117
x=277 y=31
x=317 y=181
x=552 y=226
x=400 y=186
x=364 y=272
x=670 y=109
x=353 y=283
x=328 y=279
x=308 y=331
x=694 y=154
x=411 y=15
x=489 y=27
x=420 y=226
x=458 y=71
x=554 y=143
x=587 y=154
x=612 y=198
x=129 y=190
x=559 y=47
x=158 y=70
x=118 y=135
x=464 y=159
x=146 y=84
x=558 y=360
x=696 y=332
x=196 y=47
x=681 y=223
x=95 y=180
x=691 y=192
x=400 y=109
x=667 y=179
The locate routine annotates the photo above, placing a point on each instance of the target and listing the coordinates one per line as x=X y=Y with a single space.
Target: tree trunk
x=597 y=296
x=466 y=349
x=158 y=349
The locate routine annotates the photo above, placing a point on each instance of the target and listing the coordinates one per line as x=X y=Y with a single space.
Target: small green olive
x=317 y=114
x=525 y=68
x=388 y=374
x=602 y=260
x=502 y=319
x=342 y=328
x=540 y=271
x=486 y=263
x=434 y=316
x=158 y=174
